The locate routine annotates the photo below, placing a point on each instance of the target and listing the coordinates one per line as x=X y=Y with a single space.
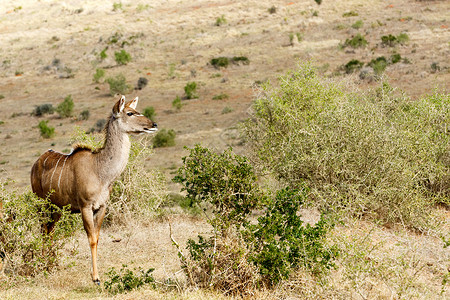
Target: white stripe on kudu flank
x=59 y=180
x=54 y=170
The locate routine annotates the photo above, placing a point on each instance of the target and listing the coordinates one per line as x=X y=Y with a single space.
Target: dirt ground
x=50 y=49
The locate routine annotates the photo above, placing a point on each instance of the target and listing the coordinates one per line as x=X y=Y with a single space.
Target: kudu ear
x=133 y=103
x=119 y=106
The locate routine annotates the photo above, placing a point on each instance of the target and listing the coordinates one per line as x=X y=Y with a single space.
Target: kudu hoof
x=97 y=281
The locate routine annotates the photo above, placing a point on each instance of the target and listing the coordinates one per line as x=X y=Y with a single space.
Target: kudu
x=84 y=177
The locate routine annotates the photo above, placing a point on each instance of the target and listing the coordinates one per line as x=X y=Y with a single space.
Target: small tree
x=122 y=57
x=118 y=84
x=46 y=131
x=190 y=90
x=65 y=108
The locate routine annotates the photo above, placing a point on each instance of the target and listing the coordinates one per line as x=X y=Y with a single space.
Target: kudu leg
x=92 y=222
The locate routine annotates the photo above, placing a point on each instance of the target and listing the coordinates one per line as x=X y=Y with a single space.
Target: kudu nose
x=155 y=125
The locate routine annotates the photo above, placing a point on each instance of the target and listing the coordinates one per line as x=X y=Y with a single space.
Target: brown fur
x=83 y=178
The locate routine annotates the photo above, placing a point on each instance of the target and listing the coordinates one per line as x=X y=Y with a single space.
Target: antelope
x=83 y=179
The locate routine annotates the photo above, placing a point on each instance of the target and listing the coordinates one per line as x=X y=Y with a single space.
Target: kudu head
x=131 y=121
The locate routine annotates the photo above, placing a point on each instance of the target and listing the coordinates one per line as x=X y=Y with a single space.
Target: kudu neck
x=113 y=157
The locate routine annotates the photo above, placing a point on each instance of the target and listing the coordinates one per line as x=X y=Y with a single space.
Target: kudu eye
x=129 y=114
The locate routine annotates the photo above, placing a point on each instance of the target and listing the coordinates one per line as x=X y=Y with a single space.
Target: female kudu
x=84 y=178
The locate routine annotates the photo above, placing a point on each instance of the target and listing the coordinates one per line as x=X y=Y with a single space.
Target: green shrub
x=225 y=180
x=358 y=24
x=164 y=138
x=117 y=6
x=239 y=253
x=149 y=112
x=242 y=59
x=25 y=250
x=350 y=14
x=99 y=74
x=85 y=115
x=353 y=66
x=281 y=243
x=391 y=40
x=358 y=41
x=272 y=10
x=221 y=96
x=117 y=85
x=377 y=155
x=190 y=90
x=125 y=280
x=226 y=110
x=378 y=64
x=176 y=103
x=318 y=2
x=221 y=20
x=65 y=108
x=46 y=131
x=103 y=54
x=43 y=109
x=122 y=57
x=220 y=62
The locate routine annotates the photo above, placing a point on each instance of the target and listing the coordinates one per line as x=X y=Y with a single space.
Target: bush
x=378 y=155
x=149 y=112
x=378 y=64
x=25 y=250
x=272 y=10
x=244 y=59
x=99 y=74
x=122 y=57
x=65 y=108
x=358 y=24
x=391 y=41
x=221 y=20
x=240 y=257
x=220 y=62
x=164 y=138
x=190 y=90
x=220 y=96
x=358 y=41
x=353 y=66
x=117 y=85
x=142 y=83
x=85 y=115
x=125 y=280
x=46 y=131
x=281 y=243
x=43 y=109
x=176 y=103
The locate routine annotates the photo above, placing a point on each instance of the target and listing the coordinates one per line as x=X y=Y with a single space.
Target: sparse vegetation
x=43 y=109
x=65 y=108
x=99 y=74
x=164 y=138
x=226 y=110
x=142 y=83
x=24 y=249
x=45 y=130
x=220 y=62
x=350 y=14
x=149 y=112
x=353 y=66
x=378 y=64
x=358 y=41
x=391 y=40
x=240 y=59
x=176 y=103
x=190 y=90
x=84 y=115
x=103 y=54
x=221 y=21
x=358 y=24
x=220 y=96
x=122 y=57
x=272 y=9
x=126 y=280
x=118 y=85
